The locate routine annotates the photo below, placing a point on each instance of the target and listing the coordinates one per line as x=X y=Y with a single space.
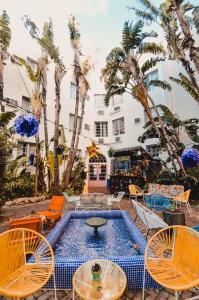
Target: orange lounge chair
x=55 y=209
x=33 y=223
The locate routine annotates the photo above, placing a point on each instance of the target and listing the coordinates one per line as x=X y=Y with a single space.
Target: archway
x=97 y=173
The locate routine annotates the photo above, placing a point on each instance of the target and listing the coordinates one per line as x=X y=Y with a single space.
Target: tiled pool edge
x=132 y=266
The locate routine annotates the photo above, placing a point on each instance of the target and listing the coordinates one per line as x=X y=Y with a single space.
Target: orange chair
x=135 y=192
x=55 y=209
x=33 y=223
x=183 y=199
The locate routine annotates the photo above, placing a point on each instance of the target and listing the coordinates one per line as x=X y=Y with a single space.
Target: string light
x=52 y=122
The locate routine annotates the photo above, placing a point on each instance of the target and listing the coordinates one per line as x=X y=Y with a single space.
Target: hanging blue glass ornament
x=26 y=125
x=31 y=159
x=190 y=157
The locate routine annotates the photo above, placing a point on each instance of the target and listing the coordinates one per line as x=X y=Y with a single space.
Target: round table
x=175 y=217
x=95 y=222
x=111 y=286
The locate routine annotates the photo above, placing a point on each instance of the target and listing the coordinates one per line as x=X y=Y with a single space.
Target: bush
x=16 y=187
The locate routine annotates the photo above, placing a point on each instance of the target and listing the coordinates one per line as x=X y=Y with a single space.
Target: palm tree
x=36 y=101
x=43 y=61
x=173 y=18
x=123 y=73
x=80 y=73
x=47 y=44
x=5 y=38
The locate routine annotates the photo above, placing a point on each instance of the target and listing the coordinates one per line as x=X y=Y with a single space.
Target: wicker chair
x=26 y=262
x=183 y=199
x=135 y=192
x=112 y=283
x=172 y=260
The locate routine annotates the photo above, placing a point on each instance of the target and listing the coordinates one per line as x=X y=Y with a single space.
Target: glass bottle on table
x=96 y=288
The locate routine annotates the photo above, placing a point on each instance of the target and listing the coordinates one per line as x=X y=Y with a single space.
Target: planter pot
x=175 y=217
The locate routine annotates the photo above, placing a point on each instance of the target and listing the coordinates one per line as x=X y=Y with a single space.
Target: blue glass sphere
x=190 y=157
x=26 y=125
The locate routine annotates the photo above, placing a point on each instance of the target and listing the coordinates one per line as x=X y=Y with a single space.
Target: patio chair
x=55 y=209
x=26 y=263
x=183 y=199
x=70 y=199
x=172 y=260
x=135 y=192
x=148 y=218
x=115 y=199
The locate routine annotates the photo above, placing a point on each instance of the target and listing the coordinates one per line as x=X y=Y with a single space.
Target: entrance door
x=97 y=173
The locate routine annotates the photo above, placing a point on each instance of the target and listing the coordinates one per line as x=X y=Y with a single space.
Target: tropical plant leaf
x=151 y=47
x=144 y=15
x=34 y=77
x=160 y=83
x=150 y=7
x=5 y=118
x=5 y=31
x=187 y=85
x=150 y=63
x=31 y=27
x=196 y=18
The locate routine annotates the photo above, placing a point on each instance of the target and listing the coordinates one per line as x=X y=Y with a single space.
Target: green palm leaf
x=150 y=47
x=150 y=63
x=5 y=31
x=160 y=83
x=144 y=15
x=187 y=85
x=5 y=118
x=196 y=18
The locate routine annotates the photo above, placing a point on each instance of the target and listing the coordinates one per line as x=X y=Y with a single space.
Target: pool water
x=78 y=241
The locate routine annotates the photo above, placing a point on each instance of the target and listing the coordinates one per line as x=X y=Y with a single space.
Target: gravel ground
x=162 y=294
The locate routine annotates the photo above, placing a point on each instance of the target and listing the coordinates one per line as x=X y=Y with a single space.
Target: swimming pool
x=73 y=244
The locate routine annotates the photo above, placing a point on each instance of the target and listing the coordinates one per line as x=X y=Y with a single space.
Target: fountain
x=95 y=222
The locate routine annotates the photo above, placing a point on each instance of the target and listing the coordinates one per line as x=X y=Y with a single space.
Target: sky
x=100 y=25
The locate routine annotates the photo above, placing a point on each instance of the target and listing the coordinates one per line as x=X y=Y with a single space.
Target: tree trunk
x=169 y=145
x=79 y=129
x=189 y=41
x=1 y=86
x=46 y=130
x=37 y=164
x=159 y=134
x=56 y=138
x=71 y=152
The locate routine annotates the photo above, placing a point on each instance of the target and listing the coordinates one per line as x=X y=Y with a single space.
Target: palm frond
x=31 y=27
x=5 y=31
x=192 y=128
x=145 y=35
x=5 y=118
x=131 y=35
x=151 y=47
x=34 y=77
x=150 y=7
x=150 y=63
x=187 y=85
x=51 y=49
x=74 y=32
x=48 y=31
x=144 y=15
x=195 y=14
x=160 y=83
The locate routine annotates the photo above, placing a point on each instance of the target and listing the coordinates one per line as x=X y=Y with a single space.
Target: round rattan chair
x=26 y=262
x=112 y=285
x=172 y=259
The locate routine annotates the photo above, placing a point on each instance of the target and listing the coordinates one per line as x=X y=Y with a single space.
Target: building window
x=99 y=102
x=71 y=122
x=26 y=106
x=153 y=150
x=117 y=99
x=101 y=129
x=22 y=149
x=152 y=76
x=118 y=126
x=73 y=89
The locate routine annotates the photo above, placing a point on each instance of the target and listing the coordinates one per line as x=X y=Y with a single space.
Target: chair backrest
x=150 y=220
x=66 y=196
x=134 y=189
x=19 y=247
x=183 y=196
x=120 y=196
x=56 y=203
x=172 y=251
x=33 y=223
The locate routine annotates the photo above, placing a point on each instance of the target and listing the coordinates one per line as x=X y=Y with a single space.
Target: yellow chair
x=183 y=199
x=172 y=260
x=135 y=192
x=26 y=262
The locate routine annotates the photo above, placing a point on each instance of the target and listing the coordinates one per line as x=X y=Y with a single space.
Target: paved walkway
x=20 y=211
